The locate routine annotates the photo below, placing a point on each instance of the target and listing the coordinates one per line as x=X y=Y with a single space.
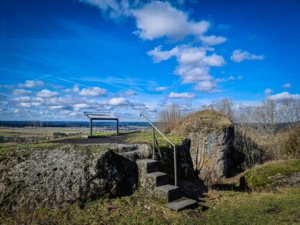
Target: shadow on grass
x=231 y=187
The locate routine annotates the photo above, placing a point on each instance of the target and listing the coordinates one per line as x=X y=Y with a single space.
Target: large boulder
x=211 y=134
x=52 y=178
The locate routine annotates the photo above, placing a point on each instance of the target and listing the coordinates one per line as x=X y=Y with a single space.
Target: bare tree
x=169 y=118
x=225 y=106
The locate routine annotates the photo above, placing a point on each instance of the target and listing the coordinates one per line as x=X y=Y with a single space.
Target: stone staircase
x=155 y=182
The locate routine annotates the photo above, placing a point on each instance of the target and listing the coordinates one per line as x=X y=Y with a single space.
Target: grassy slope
x=219 y=207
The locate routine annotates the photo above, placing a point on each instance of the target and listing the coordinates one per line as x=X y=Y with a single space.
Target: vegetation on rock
x=202 y=121
x=270 y=176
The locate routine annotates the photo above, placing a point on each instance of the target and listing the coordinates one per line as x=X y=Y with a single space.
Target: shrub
x=292 y=146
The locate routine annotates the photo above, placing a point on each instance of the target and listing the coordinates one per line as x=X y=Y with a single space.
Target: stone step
x=160 y=178
x=167 y=192
x=181 y=204
x=147 y=166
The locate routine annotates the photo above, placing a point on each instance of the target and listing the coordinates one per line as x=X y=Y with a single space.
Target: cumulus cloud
x=239 y=56
x=45 y=93
x=75 y=88
x=212 y=40
x=196 y=56
x=288 y=85
x=159 y=55
x=268 y=91
x=194 y=64
x=189 y=56
x=32 y=84
x=193 y=74
x=118 y=101
x=184 y=95
x=161 y=88
x=285 y=95
x=207 y=86
x=81 y=106
x=158 y=19
x=93 y=92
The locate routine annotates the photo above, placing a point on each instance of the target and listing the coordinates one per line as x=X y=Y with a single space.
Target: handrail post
x=174 y=146
x=175 y=166
x=153 y=143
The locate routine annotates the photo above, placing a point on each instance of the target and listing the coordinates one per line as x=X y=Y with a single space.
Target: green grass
x=218 y=207
x=146 y=137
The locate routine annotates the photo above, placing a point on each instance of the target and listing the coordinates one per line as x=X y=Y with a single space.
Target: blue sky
x=61 y=58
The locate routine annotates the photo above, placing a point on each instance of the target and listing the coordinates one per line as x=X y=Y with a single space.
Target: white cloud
x=285 y=95
x=288 y=85
x=212 y=40
x=93 y=92
x=32 y=84
x=189 y=56
x=130 y=92
x=158 y=19
x=114 y=9
x=76 y=88
x=159 y=55
x=118 y=101
x=240 y=77
x=161 y=88
x=193 y=74
x=22 y=92
x=206 y=86
x=184 y=95
x=194 y=64
x=218 y=80
x=239 y=56
x=81 y=106
x=268 y=91
x=45 y=93
x=196 y=56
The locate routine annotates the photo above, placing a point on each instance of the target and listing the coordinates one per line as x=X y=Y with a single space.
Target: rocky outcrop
x=272 y=175
x=211 y=147
x=52 y=178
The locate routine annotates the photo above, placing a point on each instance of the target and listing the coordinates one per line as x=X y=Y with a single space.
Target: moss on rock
x=273 y=175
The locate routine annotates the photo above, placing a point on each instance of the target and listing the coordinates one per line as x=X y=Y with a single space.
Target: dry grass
x=208 y=120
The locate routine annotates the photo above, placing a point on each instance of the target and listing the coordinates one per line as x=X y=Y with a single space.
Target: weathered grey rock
x=209 y=153
x=52 y=178
x=211 y=135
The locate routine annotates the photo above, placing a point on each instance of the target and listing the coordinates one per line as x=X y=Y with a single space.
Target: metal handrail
x=174 y=146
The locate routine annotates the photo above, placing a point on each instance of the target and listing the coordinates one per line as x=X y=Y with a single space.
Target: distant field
x=40 y=131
